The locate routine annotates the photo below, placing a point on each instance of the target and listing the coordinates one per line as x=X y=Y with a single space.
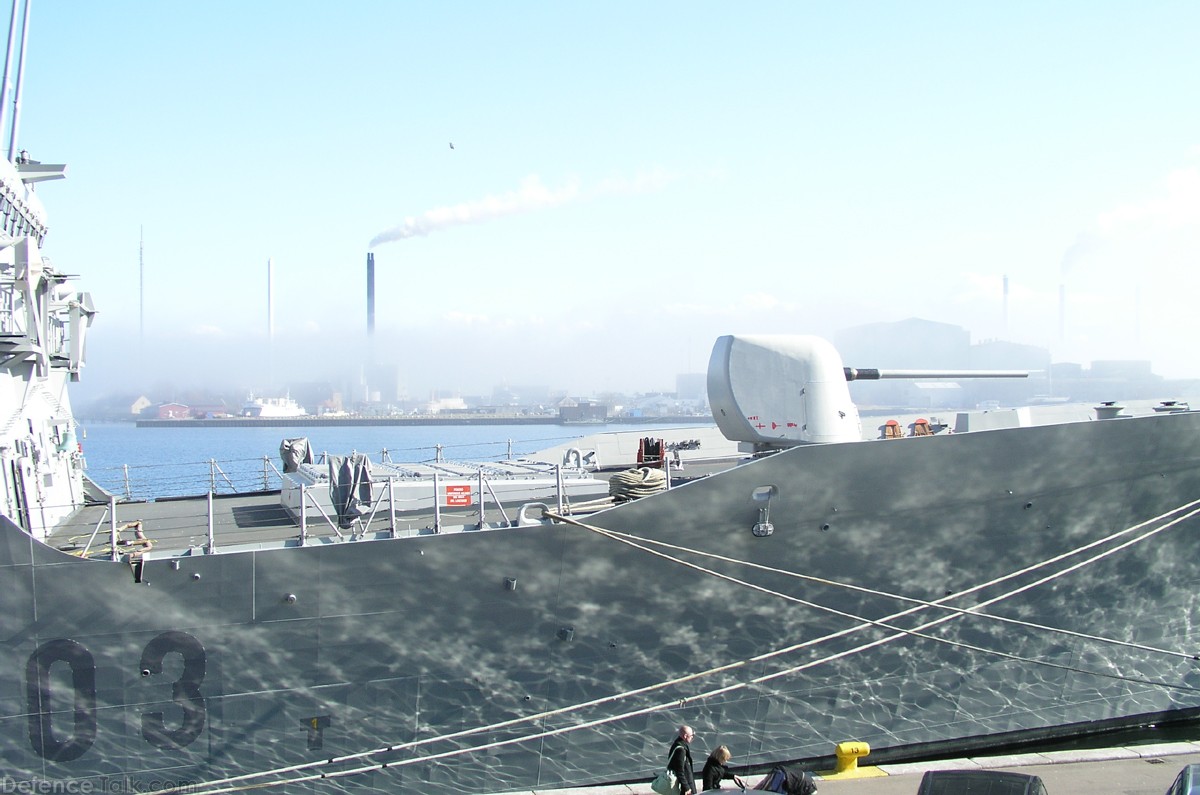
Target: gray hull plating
x=224 y=664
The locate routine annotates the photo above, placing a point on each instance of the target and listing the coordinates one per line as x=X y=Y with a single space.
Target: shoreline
x=351 y=422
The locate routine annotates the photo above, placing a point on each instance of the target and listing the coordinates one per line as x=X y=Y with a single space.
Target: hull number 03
x=65 y=743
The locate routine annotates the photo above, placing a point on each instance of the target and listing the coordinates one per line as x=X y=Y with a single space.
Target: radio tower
x=142 y=287
x=270 y=322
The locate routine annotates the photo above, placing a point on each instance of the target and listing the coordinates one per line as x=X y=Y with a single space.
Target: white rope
x=865 y=623
x=917 y=631
x=940 y=604
x=631 y=484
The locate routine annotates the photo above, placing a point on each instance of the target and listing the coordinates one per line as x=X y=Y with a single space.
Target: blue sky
x=628 y=181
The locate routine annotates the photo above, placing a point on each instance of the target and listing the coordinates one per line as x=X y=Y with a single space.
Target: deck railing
x=384 y=514
x=261 y=473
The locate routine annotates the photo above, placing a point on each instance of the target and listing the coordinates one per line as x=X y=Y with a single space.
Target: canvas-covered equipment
x=295 y=452
x=350 y=487
x=788 y=780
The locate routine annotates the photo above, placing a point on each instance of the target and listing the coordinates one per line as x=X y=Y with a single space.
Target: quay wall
x=350 y=422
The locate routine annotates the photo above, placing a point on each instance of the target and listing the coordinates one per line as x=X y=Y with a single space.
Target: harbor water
x=146 y=463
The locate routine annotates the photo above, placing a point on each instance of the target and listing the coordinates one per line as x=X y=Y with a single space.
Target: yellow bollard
x=848 y=754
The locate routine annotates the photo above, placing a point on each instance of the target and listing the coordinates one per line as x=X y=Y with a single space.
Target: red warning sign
x=458 y=495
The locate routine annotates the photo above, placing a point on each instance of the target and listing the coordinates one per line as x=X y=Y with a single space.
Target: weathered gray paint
x=415 y=637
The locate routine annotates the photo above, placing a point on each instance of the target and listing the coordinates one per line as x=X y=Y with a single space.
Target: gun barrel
x=871 y=374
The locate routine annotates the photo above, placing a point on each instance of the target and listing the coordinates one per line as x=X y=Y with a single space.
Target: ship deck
x=177 y=525
x=258 y=519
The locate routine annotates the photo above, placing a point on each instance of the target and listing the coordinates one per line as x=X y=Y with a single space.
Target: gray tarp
x=350 y=487
x=295 y=452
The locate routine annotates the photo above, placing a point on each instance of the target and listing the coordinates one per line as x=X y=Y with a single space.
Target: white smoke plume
x=1085 y=244
x=532 y=195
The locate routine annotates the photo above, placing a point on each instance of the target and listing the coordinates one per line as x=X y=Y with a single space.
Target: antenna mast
x=16 y=119
x=270 y=323
x=12 y=40
x=142 y=285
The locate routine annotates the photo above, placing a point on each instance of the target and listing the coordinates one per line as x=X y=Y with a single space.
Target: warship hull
x=1047 y=574
x=940 y=591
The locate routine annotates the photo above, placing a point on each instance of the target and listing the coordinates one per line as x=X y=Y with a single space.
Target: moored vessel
x=1029 y=575
x=948 y=591
x=272 y=408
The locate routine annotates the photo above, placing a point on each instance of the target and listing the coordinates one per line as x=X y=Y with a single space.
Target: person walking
x=679 y=760
x=716 y=769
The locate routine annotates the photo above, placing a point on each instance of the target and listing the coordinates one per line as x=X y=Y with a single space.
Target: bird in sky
x=452 y=144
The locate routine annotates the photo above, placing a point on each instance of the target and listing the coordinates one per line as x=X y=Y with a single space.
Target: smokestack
x=370 y=294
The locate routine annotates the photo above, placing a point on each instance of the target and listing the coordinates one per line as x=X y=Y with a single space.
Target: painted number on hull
x=37 y=689
x=185 y=693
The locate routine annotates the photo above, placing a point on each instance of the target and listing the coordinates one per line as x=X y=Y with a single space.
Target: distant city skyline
x=910 y=344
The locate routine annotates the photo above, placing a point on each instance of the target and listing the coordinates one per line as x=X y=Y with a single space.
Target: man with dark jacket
x=679 y=761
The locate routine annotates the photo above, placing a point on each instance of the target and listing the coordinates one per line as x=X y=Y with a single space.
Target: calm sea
x=144 y=463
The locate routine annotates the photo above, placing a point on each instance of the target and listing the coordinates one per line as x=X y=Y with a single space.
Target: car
x=979 y=782
x=1187 y=782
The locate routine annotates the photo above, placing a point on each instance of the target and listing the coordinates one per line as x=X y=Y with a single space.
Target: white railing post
x=112 y=532
x=558 y=486
x=392 y=506
x=303 y=513
x=212 y=541
x=128 y=490
x=482 y=524
x=437 y=503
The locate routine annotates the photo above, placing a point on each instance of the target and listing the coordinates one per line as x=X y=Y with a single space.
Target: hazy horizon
x=587 y=196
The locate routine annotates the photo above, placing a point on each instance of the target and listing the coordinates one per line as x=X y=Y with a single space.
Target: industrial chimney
x=370 y=294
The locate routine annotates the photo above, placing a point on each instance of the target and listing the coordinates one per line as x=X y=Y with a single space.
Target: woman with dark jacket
x=716 y=768
x=679 y=761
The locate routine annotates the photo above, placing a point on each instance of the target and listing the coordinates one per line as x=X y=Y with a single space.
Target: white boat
x=272 y=408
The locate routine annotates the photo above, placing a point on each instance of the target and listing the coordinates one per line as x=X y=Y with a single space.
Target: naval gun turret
x=775 y=391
